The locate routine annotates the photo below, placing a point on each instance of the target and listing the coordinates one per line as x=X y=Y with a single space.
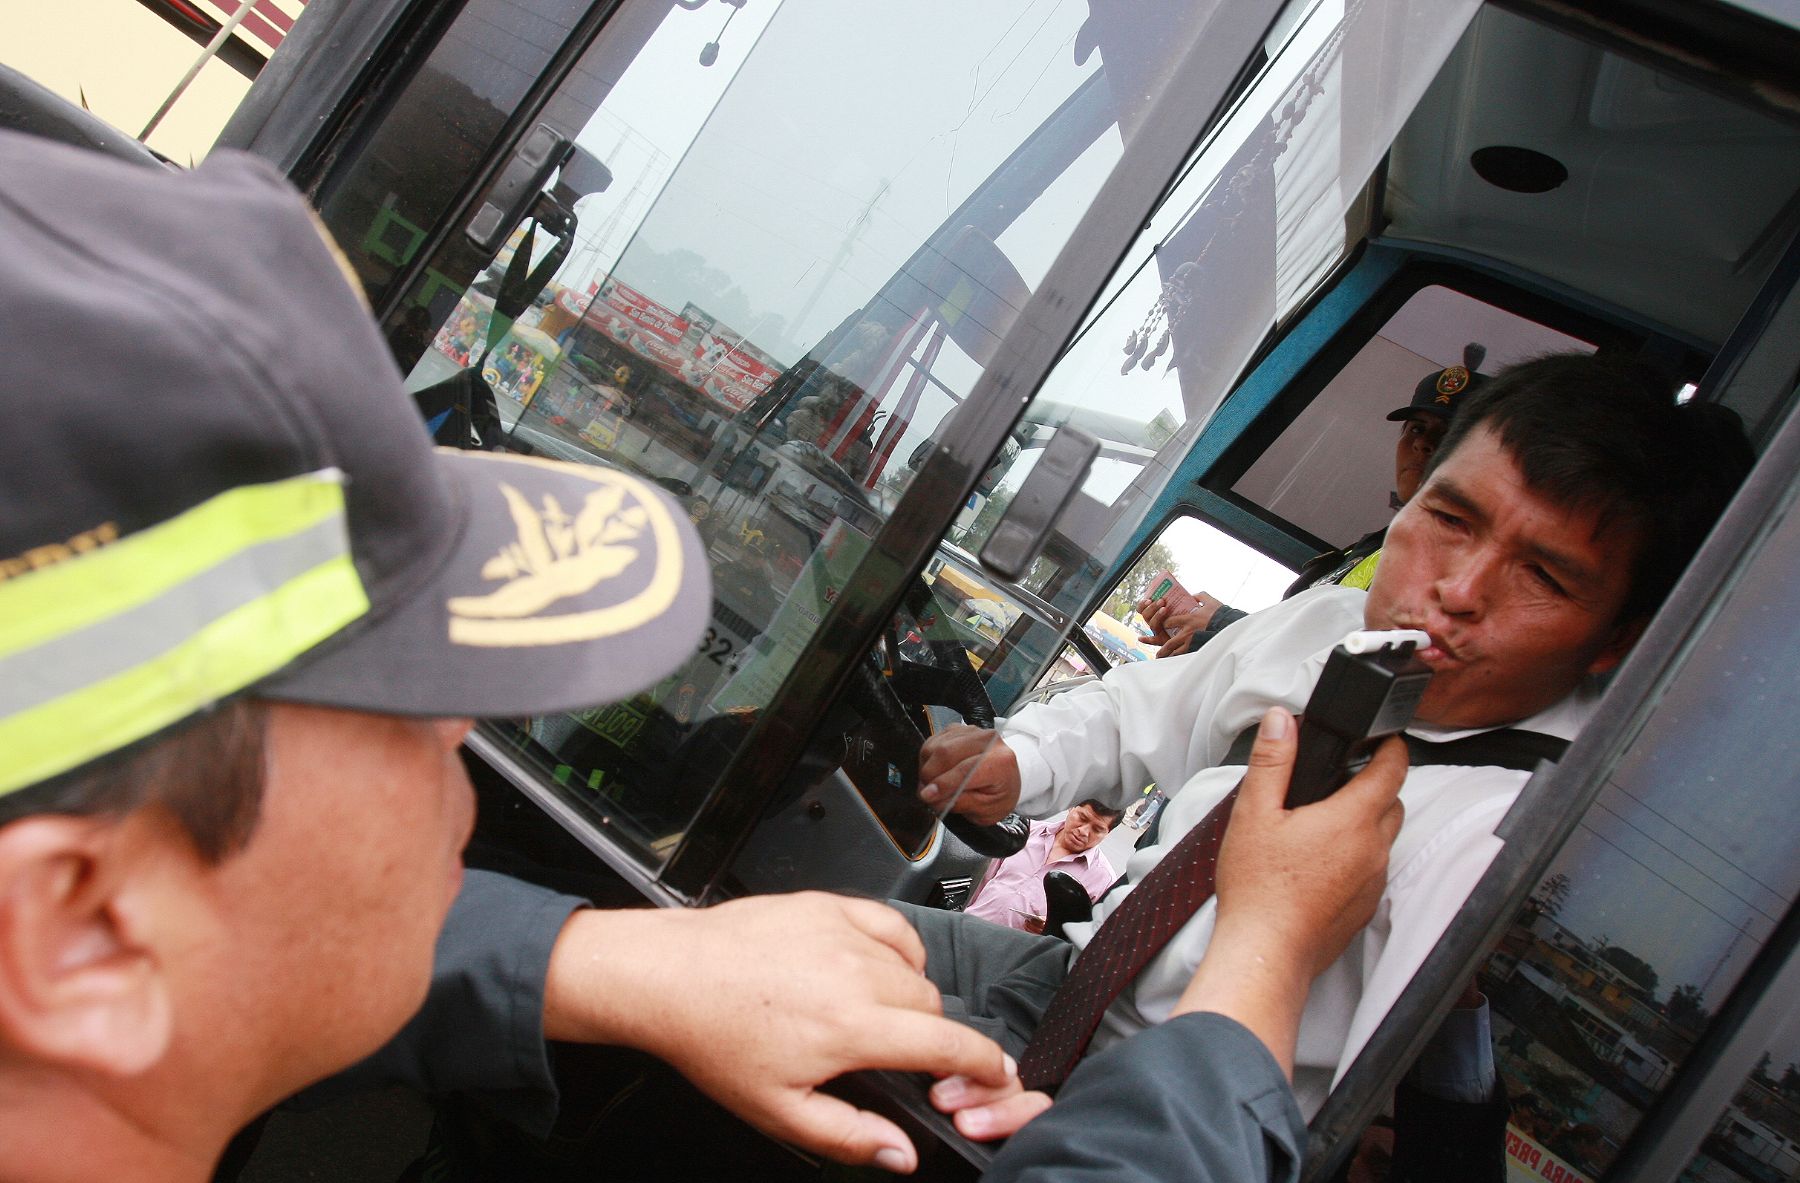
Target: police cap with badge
x=1442 y=391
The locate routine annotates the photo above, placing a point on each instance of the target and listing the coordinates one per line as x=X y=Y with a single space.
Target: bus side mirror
x=582 y=173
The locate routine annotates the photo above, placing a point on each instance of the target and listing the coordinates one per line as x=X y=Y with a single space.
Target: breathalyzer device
x=1370 y=687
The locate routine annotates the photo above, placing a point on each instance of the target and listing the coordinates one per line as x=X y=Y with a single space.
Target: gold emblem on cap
x=1453 y=380
x=558 y=556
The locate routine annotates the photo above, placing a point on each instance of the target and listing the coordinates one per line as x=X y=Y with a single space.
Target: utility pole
x=206 y=55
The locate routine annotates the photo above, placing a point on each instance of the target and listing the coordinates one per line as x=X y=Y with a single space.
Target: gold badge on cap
x=559 y=557
x=1452 y=380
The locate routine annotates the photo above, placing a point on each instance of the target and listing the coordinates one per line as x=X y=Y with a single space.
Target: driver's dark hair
x=207 y=773
x=1101 y=809
x=1606 y=434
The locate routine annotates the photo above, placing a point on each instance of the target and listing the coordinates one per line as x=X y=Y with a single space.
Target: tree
x=1685 y=1008
x=1136 y=583
x=1552 y=894
x=1632 y=966
x=1760 y=1073
x=1790 y=1082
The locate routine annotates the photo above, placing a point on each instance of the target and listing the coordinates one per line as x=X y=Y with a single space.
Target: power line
x=1678 y=857
x=1644 y=805
x=1702 y=904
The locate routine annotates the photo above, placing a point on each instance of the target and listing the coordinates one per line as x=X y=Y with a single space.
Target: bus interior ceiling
x=1593 y=172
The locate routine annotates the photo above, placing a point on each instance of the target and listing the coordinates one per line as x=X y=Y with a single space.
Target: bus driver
x=1566 y=499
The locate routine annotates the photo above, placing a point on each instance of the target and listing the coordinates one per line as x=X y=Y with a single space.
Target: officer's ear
x=82 y=900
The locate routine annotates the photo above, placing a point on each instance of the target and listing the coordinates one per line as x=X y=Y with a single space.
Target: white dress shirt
x=1169 y=721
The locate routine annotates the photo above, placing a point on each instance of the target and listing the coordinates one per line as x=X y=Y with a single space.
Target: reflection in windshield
x=809 y=251
x=788 y=286
x=1256 y=221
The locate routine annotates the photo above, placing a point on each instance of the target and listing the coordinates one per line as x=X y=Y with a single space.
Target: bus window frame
x=1419 y=269
x=1683 y=1116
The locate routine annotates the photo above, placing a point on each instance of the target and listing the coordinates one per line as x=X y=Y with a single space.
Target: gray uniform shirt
x=1197 y=1099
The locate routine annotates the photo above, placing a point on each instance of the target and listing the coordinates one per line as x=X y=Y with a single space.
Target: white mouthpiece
x=1370 y=640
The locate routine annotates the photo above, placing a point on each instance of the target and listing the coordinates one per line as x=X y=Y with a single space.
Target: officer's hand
x=1308 y=879
x=1294 y=886
x=975 y=761
x=984 y=1113
x=760 y=1001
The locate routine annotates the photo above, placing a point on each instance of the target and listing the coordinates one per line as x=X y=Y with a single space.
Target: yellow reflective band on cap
x=102 y=583
x=109 y=647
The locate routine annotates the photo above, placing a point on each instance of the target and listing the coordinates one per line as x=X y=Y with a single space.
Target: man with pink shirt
x=1013 y=892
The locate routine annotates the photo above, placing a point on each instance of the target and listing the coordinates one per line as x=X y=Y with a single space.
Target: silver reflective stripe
x=146 y=631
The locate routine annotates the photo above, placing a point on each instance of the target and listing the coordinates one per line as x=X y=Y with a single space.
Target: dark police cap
x=215 y=482
x=1442 y=391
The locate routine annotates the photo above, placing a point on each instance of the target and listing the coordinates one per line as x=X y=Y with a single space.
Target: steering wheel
x=894 y=694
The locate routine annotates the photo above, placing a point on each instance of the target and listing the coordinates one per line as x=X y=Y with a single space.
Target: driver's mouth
x=1439 y=654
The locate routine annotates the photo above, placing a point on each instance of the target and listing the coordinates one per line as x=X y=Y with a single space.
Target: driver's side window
x=1188 y=559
